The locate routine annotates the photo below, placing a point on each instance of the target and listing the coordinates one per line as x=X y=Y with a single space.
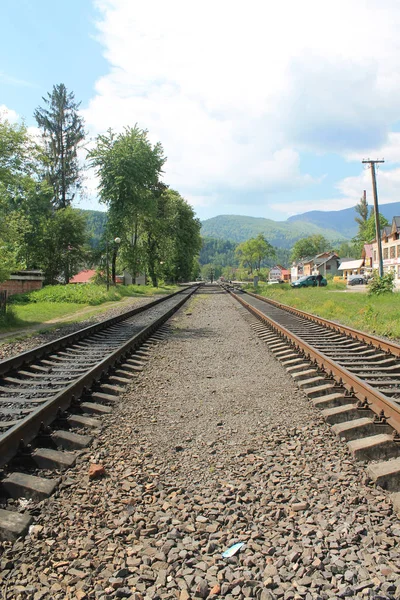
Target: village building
x=361 y=266
x=326 y=263
x=390 y=250
x=297 y=269
x=87 y=276
x=84 y=276
x=351 y=266
x=279 y=273
x=21 y=282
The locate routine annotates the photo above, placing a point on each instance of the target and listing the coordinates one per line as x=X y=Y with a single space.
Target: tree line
x=40 y=179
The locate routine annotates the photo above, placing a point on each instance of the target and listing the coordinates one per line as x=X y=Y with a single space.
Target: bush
x=381 y=285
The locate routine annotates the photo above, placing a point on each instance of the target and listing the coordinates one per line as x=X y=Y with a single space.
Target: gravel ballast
x=211 y=445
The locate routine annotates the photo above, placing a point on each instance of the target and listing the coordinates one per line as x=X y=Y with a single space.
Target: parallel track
x=39 y=385
x=366 y=365
x=354 y=377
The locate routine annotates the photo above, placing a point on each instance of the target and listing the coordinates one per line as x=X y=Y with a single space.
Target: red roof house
x=83 y=276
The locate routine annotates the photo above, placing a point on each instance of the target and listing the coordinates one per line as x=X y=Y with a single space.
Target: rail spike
x=363 y=404
x=380 y=419
x=396 y=436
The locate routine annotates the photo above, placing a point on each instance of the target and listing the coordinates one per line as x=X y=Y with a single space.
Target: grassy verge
x=88 y=294
x=60 y=302
x=375 y=314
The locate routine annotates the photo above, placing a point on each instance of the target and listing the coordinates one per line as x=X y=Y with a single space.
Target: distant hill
x=342 y=221
x=96 y=223
x=281 y=234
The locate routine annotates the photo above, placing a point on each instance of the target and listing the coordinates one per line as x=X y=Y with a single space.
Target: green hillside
x=281 y=234
x=96 y=223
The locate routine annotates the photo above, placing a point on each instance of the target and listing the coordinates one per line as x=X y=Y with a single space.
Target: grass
x=88 y=294
x=379 y=315
x=54 y=303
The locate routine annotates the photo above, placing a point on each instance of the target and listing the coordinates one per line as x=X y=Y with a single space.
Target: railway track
x=353 y=377
x=69 y=381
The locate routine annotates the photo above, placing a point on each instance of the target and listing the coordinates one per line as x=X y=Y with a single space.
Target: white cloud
x=388 y=184
x=390 y=150
x=349 y=193
x=236 y=91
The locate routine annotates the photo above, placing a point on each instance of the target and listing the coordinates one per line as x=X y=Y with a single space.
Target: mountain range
x=342 y=221
x=334 y=225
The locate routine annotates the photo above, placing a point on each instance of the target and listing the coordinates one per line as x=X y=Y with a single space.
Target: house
x=297 y=269
x=351 y=266
x=140 y=278
x=390 y=238
x=367 y=256
x=361 y=266
x=325 y=263
x=21 y=282
x=84 y=276
x=279 y=273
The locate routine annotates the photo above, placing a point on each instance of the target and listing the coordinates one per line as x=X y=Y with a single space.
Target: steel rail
x=377 y=342
x=25 y=358
x=377 y=401
x=28 y=428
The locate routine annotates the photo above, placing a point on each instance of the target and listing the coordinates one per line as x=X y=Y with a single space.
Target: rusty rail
x=375 y=341
x=376 y=401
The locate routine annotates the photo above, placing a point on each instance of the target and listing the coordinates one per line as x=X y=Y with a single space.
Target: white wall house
x=390 y=250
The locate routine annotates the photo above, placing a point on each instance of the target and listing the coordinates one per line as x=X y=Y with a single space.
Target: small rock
x=215 y=591
x=202 y=589
x=96 y=471
x=298 y=506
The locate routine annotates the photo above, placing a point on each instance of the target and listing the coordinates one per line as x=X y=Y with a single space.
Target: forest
x=147 y=227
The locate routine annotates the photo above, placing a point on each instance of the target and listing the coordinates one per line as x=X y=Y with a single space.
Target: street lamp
x=117 y=241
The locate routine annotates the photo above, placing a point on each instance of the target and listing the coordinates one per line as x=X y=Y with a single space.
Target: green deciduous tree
x=63 y=133
x=62 y=243
x=129 y=167
x=252 y=252
x=310 y=246
x=159 y=231
x=367 y=232
x=347 y=250
x=24 y=199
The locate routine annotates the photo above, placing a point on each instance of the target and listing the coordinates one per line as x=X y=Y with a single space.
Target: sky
x=263 y=108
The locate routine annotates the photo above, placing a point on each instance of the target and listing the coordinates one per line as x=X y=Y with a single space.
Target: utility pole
x=372 y=164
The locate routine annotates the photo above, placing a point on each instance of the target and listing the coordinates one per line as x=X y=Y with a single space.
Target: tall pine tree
x=63 y=132
x=362 y=210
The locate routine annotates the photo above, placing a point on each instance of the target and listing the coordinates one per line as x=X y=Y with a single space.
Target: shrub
x=381 y=285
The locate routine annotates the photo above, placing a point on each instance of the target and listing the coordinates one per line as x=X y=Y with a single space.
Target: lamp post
x=117 y=241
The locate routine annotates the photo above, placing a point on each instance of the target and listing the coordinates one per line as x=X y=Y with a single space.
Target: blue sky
x=264 y=109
